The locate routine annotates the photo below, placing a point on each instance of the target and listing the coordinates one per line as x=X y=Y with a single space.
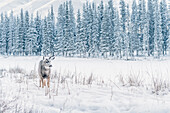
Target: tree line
x=102 y=30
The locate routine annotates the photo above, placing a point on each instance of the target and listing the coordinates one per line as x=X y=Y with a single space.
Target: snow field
x=85 y=86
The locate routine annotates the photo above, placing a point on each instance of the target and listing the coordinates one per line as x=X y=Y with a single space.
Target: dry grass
x=135 y=80
x=16 y=70
x=160 y=85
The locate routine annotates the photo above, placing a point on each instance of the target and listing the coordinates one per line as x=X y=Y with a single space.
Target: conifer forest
x=97 y=31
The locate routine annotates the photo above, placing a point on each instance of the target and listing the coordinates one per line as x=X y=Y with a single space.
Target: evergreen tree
x=60 y=28
x=50 y=33
x=151 y=26
x=145 y=31
x=2 y=35
x=158 y=32
x=140 y=19
x=18 y=43
x=118 y=39
x=90 y=30
x=32 y=37
x=53 y=35
x=123 y=24
x=85 y=27
x=134 y=42
x=46 y=38
x=100 y=19
x=164 y=25
x=12 y=31
x=7 y=34
x=66 y=39
x=72 y=25
x=39 y=34
x=94 y=32
x=128 y=30
x=14 y=34
x=27 y=33
x=104 y=41
x=83 y=31
x=79 y=40
x=111 y=28
x=21 y=35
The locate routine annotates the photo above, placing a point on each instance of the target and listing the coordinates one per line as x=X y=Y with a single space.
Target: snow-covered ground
x=80 y=85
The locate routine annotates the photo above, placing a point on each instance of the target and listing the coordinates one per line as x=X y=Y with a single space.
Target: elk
x=44 y=70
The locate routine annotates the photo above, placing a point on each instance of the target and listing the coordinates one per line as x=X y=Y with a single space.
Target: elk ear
x=52 y=58
x=43 y=57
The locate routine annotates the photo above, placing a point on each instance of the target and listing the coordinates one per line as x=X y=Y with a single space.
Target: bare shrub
x=121 y=80
x=2 y=72
x=33 y=73
x=135 y=80
x=7 y=105
x=131 y=80
x=58 y=83
x=17 y=70
x=90 y=79
x=159 y=85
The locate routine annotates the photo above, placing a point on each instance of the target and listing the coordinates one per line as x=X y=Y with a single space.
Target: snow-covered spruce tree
x=7 y=34
x=164 y=25
x=60 y=29
x=32 y=36
x=15 y=35
x=53 y=31
x=85 y=27
x=92 y=28
x=82 y=36
x=17 y=38
x=123 y=25
x=66 y=33
x=134 y=42
x=94 y=32
x=89 y=15
x=151 y=26
x=140 y=19
x=39 y=34
x=118 y=38
x=2 y=35
x=104 y=40
x=100 y=13
x=72 y=22
x=145 y=30
x=89 y=28
x=79 y=38
x=128 y=30
x=53 y=20
x=66 y=39
x=46 y=38
x=158 y=39
x=111 y=28
x=21 y=46
x=55 y=42
x=27 y=33
x=11 y=31
x=50 y=33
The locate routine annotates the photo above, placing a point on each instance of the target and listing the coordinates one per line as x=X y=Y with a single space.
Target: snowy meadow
x=110 y=56
x=81 y=85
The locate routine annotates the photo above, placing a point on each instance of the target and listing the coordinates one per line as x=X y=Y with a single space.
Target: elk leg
x=48 y=82
x=44 y=83
x=40 y=83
